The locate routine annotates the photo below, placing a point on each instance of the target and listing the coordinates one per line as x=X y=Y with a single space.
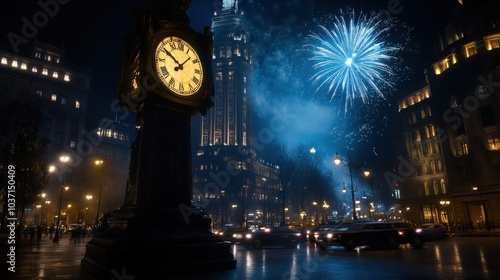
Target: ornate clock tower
x=166 y=78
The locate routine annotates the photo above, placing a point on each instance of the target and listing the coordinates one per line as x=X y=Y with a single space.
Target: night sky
x=92 y=33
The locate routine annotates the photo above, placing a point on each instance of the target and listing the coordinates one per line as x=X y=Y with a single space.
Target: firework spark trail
x=351 y=58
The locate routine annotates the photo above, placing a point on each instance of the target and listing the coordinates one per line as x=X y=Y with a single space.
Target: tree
x=23 y=145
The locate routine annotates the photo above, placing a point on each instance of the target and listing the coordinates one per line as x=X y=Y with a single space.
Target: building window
x=424 y=169
x=426 y=210
x=443 y=186
x=45 y=71
x=4 y=60
x=24 y=66
x=39 y=93
x=72 y=144
x=422 y=113
x=77 y=104
x=55 y=75
x=34 y=69
x=470 y=49
x=435 y=186
x=440 y=165
x=427 y=132
x=38 y=54
x=461 y=146
x=14 y=63
x=433 y=166
x=63 y=101
x=426 y=189
x=493 y=140
x=433 y=130
x=437 y=70
x=53 y=97
x=492 y=42
x=453 y=102
x=66 y=77
x=417 y=136
x=414 y=117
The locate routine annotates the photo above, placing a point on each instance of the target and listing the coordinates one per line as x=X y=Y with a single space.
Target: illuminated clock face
x=178 y=66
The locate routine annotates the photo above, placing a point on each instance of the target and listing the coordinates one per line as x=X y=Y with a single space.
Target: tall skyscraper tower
x=229 y=180
x=228 y=123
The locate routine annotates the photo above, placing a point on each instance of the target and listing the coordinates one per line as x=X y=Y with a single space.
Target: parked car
x=353 y=234
x=271 y=237
x=408 y=234
x=432 y=231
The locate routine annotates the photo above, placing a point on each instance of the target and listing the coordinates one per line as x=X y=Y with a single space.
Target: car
x=432 y=231
x=233 y=234
x=318 y=232
x=271 y=237
x=353 y=234
x=408 y=234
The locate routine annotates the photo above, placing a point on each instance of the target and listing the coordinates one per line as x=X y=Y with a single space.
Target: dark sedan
x=271 y=237
x=353 y=234
x=408 y=234
x=432 y=231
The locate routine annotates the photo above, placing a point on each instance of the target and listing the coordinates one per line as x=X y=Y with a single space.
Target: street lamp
x=63 y=159
x=325 y=209
x=98 y=163
x=351 y=165
x=56 y=237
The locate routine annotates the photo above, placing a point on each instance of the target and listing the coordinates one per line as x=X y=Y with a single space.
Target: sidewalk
x=47 y=260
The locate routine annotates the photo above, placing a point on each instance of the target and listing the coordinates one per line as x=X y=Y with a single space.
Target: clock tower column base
x=156 y=244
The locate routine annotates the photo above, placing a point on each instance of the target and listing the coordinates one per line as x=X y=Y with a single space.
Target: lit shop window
x=24 y=66
x=77 y=104
x=4 y=60
x=53 y=97
x=14 y=63
x=55 y=75
x=66 y=77
x=34 y=69
x=45 y=71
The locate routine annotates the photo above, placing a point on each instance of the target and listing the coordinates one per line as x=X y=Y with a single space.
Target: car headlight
x=248 y=236
x=400 y=232
x=330 y=235
x=418 y=230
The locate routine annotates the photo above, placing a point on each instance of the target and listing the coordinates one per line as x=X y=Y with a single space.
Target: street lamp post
x=351 y=165
x=56 y=237
x=97 y=163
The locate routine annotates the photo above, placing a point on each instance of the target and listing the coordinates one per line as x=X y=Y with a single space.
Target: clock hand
x=169 y=54
x=180 y=65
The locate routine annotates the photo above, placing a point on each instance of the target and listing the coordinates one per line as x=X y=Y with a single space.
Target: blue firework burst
x=351 y=59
